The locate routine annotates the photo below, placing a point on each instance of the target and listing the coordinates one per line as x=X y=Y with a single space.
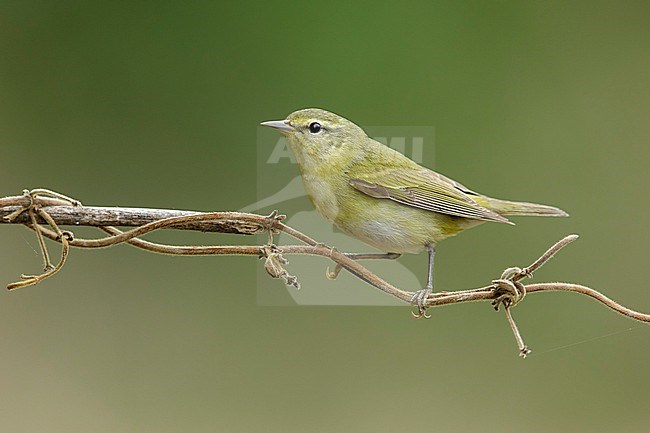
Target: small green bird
x=381 y=197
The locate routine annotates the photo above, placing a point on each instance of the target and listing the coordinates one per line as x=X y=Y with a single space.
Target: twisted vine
x=41 y=206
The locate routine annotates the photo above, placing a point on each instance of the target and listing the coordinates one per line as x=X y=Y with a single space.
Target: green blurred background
x=155 y=104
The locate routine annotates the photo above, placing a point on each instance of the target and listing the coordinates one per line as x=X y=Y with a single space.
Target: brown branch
x=33 y=209
x=135 y=217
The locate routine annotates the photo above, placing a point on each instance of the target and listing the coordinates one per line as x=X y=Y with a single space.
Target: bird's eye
x=315 y=128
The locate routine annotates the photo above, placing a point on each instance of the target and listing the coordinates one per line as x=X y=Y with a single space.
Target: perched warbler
x=381 y=197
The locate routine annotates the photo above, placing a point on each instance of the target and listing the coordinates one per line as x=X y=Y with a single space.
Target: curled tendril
x=273 y=264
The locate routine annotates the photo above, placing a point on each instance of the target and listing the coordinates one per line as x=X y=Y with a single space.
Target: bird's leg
x=419 y=298
x=373 y=256
x=360 y=256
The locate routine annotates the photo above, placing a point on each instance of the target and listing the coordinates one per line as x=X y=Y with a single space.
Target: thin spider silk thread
x=588 y=340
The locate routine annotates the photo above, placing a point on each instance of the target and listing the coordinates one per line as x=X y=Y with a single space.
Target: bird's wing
x=424 y=189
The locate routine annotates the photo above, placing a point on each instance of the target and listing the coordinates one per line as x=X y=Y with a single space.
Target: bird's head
x=318 y=134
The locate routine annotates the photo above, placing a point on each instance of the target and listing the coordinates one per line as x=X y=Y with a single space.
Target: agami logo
x=279 y=186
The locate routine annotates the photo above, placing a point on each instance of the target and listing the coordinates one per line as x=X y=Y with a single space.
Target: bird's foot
x=419 y=299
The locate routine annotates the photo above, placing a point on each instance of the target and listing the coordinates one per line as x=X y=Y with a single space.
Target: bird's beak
x=281 y=125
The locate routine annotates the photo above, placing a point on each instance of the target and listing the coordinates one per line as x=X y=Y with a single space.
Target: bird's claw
x=422 y=312
x=419 y=299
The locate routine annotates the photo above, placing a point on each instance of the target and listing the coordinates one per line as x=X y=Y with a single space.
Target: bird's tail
x=516 y=208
